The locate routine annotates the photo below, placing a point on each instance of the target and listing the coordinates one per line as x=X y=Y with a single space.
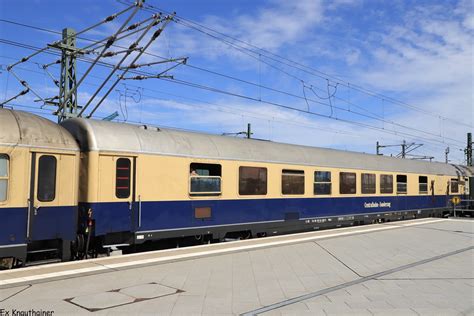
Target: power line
x=194 y=105
x=249 y=114
x=294 y=64
x=67 y=97
x=242 y=49
x=375 y=117
x=212 y=89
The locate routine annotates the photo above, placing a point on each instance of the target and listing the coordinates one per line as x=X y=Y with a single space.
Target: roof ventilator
x=150 y=128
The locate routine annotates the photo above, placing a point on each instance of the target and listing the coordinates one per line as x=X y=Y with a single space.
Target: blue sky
x=419 y=53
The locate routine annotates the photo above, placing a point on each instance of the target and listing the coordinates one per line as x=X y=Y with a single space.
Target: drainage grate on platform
x=124 y=296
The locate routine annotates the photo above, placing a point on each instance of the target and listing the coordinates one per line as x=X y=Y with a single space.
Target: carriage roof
x=18 y=128
x=94 y=135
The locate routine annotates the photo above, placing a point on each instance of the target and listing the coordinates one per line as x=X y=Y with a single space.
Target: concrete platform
x=418 y=267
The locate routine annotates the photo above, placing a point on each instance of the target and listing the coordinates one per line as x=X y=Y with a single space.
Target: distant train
x=85 y=185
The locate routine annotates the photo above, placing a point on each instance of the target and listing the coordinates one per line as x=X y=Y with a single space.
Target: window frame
x=341 y=183
x=239 y=179
x=39 y=181
x=451 y=182
x=197 y=176
x=363 y=188
x=420 y=191
x=315 y=182
x=383 y=188
x=6 y=178
x=292 y=173
x=117 y=188
x=399 y=182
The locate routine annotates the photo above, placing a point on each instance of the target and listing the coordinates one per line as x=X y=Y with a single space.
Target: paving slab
x=148 y=291
x=424 y=269
x=10 y=292
x=98 y=301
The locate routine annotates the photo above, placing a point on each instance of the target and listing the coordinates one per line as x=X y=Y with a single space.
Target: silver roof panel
x=94 y=135
x=22 y=128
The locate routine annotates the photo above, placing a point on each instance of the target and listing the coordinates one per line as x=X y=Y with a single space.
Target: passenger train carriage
x=38 y=186
x=121 y=184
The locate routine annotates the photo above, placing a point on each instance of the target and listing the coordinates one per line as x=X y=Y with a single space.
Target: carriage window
x=292 y=182
x=386 y=183
x=205 y=179
x=347 y=183
x=322 y=182
x=46 y=178
x=122 y=178
x=454 y=186
x=423 y=184
x=401 y=184
x=252 y=181
x=3 y=177
x=368 y=183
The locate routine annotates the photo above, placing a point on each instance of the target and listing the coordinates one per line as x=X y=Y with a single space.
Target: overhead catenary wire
x=118 y=65
x=155 y=35
x=237 y=111
x=108 y=43
x=303 y=111
x=23 y=92
x=291 y=63
x=330 y=105
x=111 y=40
x=348 y=84
x=296 y=123
x=226 y=76
x=240 y=112
x=292 y=108
x=328 y=93
x=108 y=19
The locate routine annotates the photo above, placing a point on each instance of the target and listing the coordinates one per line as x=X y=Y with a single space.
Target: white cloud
x=429 y=63
x=425 y=60
x=280 y=23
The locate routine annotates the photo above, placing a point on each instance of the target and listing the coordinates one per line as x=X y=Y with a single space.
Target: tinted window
x=205 y=179
x=3 y=177
x=368 y=183
x=46 y=178
x=122 y=178
x=386 y=183
x=423 y=184
x=322 y=182
x=252 y=181
x=292 y=182
x=347 y=183
x=401 y=183
x=454 y=186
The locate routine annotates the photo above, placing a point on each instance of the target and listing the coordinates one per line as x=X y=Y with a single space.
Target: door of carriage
x=52 y=205
x=118 y=206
